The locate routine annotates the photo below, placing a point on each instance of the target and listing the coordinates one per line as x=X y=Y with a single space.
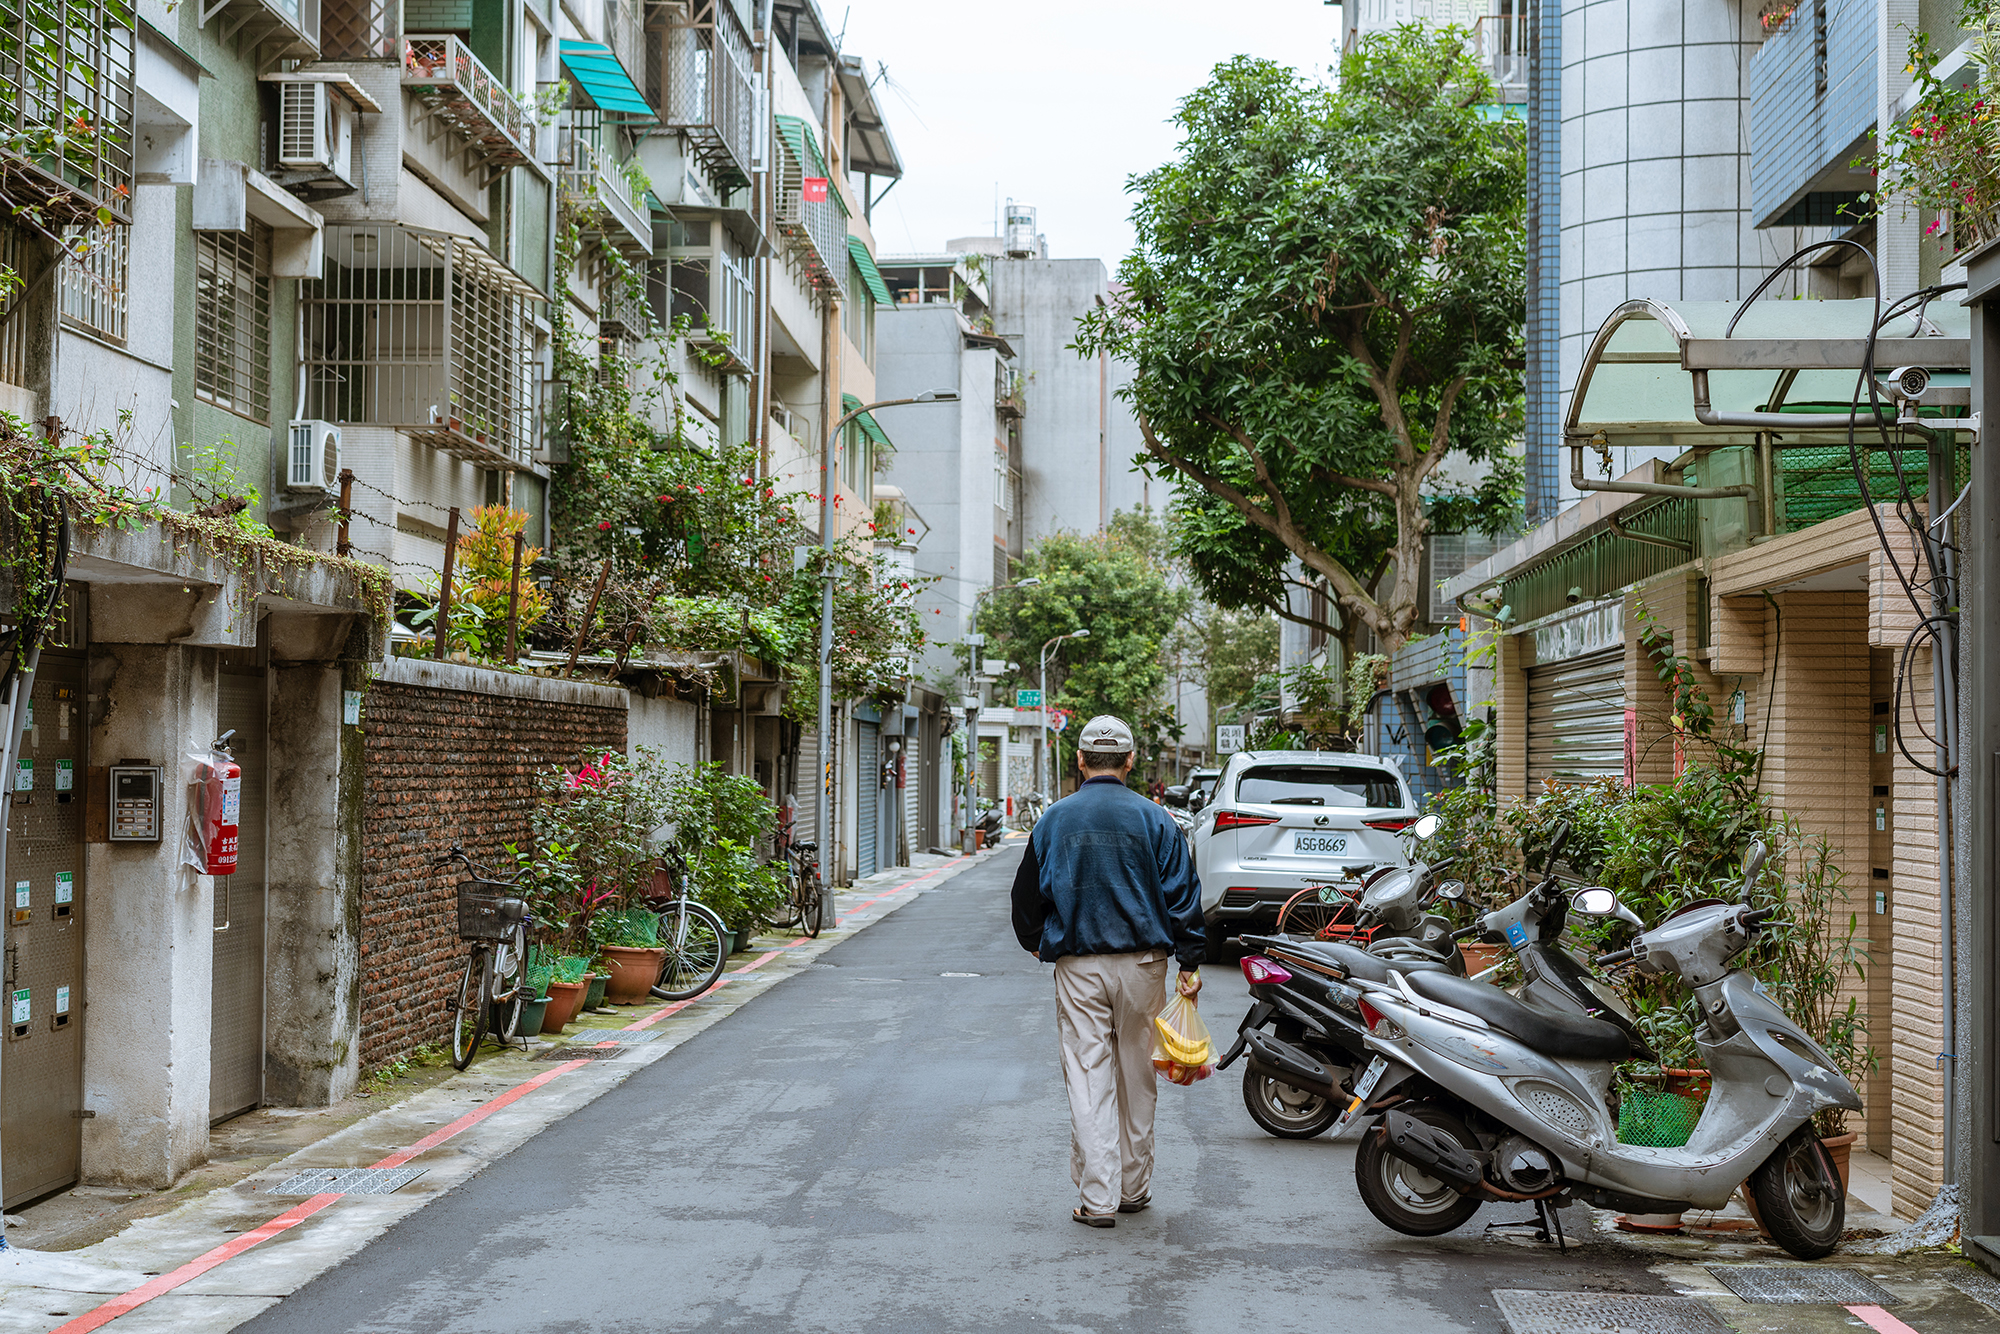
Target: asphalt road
x=881 y=1144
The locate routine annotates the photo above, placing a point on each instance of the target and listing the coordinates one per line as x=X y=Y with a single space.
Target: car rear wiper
x=1296 y=801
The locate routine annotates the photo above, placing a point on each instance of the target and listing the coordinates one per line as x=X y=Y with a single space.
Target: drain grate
x=1529 y=1312
x=347 y=1181
x=1980 y=1287
x=617 y=1035
x=1801 y=1285
x=579 y=1054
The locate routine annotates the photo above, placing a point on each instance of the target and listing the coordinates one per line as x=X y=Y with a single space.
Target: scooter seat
x=1357 y=962
x=1575 y=1036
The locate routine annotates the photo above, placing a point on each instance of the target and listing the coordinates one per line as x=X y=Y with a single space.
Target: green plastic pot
x=531 y=1015
x=595 y=996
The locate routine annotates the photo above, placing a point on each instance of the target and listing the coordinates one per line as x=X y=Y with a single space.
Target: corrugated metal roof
x=799 y=137
x=871 y=277
x=866 y=421
x=604 y=81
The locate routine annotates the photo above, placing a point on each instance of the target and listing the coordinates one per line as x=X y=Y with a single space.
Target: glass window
x=232 y=337
x=1317 y=785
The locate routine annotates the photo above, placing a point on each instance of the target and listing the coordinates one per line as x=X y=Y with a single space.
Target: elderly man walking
x=1107 y=894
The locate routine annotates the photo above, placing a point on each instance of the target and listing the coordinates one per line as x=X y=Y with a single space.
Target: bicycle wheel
x=468 y=1016
x=807 y=897
x=510 y=959
x=1311 y=913
x=789 y=911
x=696 y=945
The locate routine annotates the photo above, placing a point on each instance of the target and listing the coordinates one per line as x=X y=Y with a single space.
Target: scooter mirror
x=1451 y=889
x=1753 y=859
x=1595 y=903
x=1427 y=826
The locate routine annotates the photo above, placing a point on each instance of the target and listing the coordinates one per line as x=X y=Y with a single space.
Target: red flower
x=604 y=527
x=666 y=500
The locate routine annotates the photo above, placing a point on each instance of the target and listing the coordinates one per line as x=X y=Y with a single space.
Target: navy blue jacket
x=1107 y=872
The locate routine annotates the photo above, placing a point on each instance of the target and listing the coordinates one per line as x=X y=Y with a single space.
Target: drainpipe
x=1582 y=483
x=1944 y=722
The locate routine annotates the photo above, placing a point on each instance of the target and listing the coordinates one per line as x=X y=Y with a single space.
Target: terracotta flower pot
x=1479 y=956
x=1689 y=1083
x=1839 y=1148
x=564 y=998
x=633 y=973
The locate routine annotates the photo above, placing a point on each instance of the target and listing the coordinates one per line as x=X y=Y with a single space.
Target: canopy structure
x=604 y=81
x=870 y=428
x=871 y=277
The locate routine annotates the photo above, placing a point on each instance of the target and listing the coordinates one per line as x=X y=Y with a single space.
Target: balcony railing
x=698 y=74
x=274 y=29
x=426 y=333
x=816 y=230
x=603 y=198
x=66 y=77
x=1502 y=41
x=469 y=99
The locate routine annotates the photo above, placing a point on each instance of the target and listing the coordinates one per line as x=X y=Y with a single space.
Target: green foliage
x=1323 y=304
x=1117 y=586
x=1940 y=159
x=634 y=927
x=718 y=820
x=1238 y=659
x=593 y=850
x=877 y=633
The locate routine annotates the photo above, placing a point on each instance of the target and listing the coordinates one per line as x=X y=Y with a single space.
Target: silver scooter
x=1512 y=1101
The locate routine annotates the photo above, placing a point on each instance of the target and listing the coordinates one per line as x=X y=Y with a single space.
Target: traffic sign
x=1027 y=699
x=1228 y=738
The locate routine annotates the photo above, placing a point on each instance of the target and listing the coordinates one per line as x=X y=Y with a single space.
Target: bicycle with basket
x=493 y=918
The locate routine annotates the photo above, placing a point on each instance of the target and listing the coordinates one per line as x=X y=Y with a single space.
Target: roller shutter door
x=868 y=779
x=1576 y=720
x=805 y=787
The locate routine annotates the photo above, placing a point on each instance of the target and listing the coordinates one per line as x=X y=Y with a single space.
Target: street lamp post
x=1042 y=767
x=975 y=647
x=822 y=805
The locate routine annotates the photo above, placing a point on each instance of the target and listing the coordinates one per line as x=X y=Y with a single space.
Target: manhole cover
x=579 y=1054
x=1980 y=1287
x=1801 y=1285
x=347 y=1181
x=617 y=1035
x=1529 y=1312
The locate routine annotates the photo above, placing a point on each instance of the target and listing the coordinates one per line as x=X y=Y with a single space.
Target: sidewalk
x=222 y=1246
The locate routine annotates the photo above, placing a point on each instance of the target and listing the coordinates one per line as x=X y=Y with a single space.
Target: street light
x=1042 y=779
x=822 y=815
x=976 y=644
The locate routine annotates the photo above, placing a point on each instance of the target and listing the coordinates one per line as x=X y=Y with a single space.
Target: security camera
x=1575 y=595
x=1910 y=381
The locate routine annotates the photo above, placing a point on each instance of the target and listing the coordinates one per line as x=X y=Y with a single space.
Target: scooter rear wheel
x=1401 y=1194
x=1284 y=1111
x=1799 y=1197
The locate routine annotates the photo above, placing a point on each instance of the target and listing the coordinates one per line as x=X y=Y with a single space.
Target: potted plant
x=718 y=820
x=566 y=991
x=632 y=955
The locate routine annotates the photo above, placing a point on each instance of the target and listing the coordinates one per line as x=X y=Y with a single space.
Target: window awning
x=871 y=277
x=866 y=421
x=799 y=137
x=604 y=81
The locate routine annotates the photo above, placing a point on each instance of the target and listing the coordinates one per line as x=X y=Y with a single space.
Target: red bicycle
x=1323 y=910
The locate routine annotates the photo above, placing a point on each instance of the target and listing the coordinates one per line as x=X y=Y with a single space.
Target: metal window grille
x=698 y=74
x=817 y=230
x=232 y=337
x=13 y=332
x=427 y=333
x=358 y=29
x=66 y=69
x=95 y=294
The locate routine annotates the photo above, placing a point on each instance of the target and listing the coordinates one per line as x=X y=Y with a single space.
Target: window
x=857 y=468
x=232 y=337
x=1317 y=785
x=94 y=280
x=858 y=315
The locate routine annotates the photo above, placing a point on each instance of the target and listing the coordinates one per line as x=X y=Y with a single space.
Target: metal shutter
x=805 y=786
x=236 y=1032
x=1576 y=719
x=867 y=783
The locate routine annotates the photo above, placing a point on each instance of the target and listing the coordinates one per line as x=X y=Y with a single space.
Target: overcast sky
x=1050 y=102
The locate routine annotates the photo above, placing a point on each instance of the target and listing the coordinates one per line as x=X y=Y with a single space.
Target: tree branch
x=1441 y=429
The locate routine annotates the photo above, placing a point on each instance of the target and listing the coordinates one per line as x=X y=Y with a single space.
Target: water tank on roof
x=1019 y=233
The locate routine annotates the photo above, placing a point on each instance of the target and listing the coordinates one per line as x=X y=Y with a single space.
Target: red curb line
x=1881 y=1320
x=100 y=1316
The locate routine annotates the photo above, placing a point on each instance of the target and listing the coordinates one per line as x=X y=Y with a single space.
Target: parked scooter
x=1504 y=1100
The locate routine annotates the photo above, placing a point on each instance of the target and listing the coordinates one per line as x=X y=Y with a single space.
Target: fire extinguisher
x=221 y=808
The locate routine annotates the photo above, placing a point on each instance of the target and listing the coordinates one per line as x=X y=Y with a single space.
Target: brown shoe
x=1138 y=1206
x=1089 y=1219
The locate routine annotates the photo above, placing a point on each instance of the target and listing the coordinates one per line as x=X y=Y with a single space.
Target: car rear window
x=1317 y=785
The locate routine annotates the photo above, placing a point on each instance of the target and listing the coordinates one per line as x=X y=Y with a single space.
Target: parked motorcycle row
x=1471 y=1094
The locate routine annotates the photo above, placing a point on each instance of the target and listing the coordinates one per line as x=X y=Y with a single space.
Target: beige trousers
x=1105 y=1004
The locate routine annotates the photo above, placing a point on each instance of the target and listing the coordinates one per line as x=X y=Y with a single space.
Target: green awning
x=870 y=275
x=604 y=81
x=798 y=137
x=866 y=421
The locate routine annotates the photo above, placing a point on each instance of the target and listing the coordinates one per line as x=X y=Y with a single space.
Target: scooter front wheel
x=1799 y=1197
x=1284 y=1111
x=1404 y=1196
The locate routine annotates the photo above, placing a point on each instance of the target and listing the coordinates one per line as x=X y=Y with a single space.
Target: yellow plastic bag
x=1182 y=1050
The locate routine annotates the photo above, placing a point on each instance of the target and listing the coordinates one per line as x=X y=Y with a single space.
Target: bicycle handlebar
x=1467 y=932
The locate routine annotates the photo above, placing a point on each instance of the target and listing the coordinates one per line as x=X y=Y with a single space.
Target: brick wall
x=450 y=755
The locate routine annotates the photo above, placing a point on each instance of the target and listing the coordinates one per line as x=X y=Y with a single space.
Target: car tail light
x=1262 y=972
x=1393 y=826
x=1370 y=1016
x=1238 y=820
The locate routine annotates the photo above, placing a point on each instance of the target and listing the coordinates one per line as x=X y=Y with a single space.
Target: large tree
x=1324 y=304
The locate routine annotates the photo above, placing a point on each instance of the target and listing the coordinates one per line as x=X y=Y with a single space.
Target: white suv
x=1280 y=816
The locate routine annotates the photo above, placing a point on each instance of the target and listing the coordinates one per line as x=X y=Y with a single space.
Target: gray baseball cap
x=1105 y=735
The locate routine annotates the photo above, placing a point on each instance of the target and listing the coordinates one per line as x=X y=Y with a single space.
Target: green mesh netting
x=1654 y=1117
x=572 y=968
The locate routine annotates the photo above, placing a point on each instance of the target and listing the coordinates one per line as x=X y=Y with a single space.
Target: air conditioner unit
x=313 y=461
x=315 y=128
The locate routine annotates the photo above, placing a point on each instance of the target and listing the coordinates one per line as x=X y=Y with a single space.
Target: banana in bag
x=1182 y=1051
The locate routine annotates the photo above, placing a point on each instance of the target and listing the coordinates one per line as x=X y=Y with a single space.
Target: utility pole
x=1042 y=686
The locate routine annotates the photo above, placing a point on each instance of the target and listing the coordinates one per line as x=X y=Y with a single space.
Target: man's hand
x=1189 y=984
